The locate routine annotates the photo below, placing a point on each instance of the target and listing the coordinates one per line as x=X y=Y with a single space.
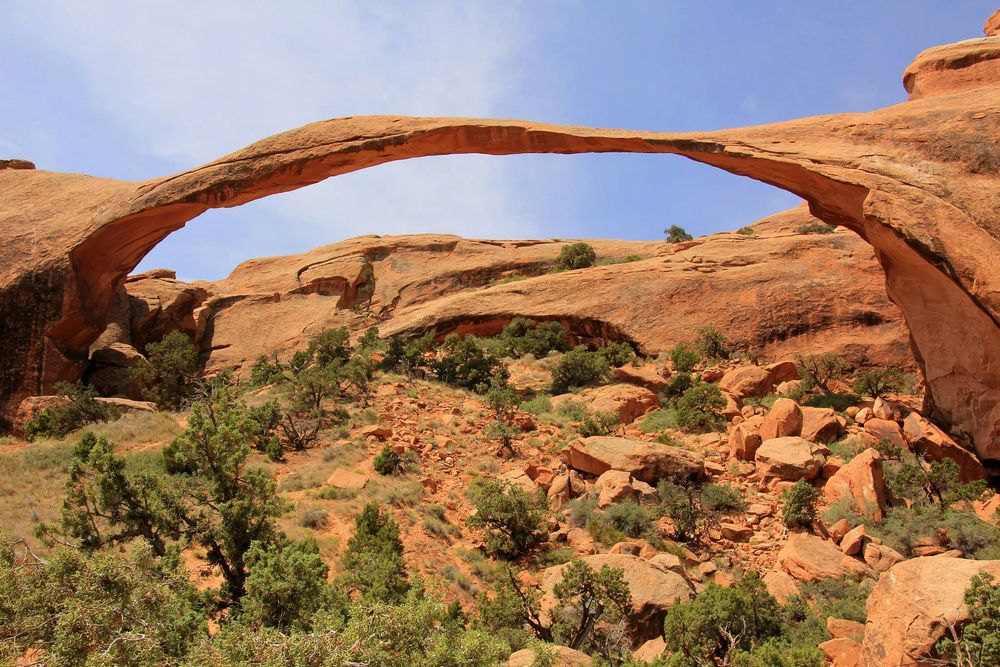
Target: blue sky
x=134 y=90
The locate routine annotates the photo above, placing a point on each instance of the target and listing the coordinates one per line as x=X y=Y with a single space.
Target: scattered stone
x=376 y=431
x=345 y=479
x=820 y=425
x=646 y=461
x=791 y=458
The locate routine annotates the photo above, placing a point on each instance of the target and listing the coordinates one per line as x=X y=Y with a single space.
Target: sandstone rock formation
x=912 y=606
x=646 y=461
x=917 y=181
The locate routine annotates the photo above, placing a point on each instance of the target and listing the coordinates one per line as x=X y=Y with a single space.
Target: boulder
x=852 y=542
x=781 y=585
x=787 y=387
x=861 y=480
x=744 y=381
x=745 y=439
x=790 y=459
x=519 y=478
x=345 y=479
x=627 y=401
x=646 y=461
x=644 y=376
x=934 y=444
x=880 y=557
x=563 y=657
x=650 y=651
x=883 y=429
x=820 y=425
x=783 y=419
x=913 y=604
x=110 y=370
x=840 y=628
x=810 y=558
x=736 y=532
x=842 y=651
x=376 y=431
x=653 y=590
x=613 y=486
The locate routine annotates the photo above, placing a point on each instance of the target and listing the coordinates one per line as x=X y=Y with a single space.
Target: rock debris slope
x=917 y=181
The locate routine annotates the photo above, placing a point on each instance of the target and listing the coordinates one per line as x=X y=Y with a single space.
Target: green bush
x=370 y=340
x=576 y=256
x=578 y=368
x=818 y=370
x=799 y=504
x=878 y=382
x=388 y=462
x=658 y=420
x=512 y=519
x=600 y=423
x=684 y=357
x=703 y=629
x=467 y=364
x=722 y=498
x=692 y=508
x=538 y=405
x=617 y=354
x=678 y=384
x=700 y=408
x=502 y=400
x=81 y=408
x=169 y=371
x=373 y=563
x=630 y=518
x=712 y=343
x=265 y=371
x=525 y=336
x=746 y=231
x=816 y=228
x=572 y=410
x=962 y=530
x=286 y=586
x=676 y=234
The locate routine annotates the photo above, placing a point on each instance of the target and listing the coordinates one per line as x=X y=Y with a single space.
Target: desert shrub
x=678 y=384
x=692 y=508
x=576 y=256
x=722 y=498
x=266 y=370
x=817 y=370
x=961 y=530
x=720 y=620
x=525 y=336
x=169 y=371
x=878 y=382
x=684 y=357
x=839 y=402
x=286 y=586
x=799 y=508
x=370 y=340
x=388 y=462
x=511 y=518
x=816 y=228
x=628 y=259
x=909 y=477
x=580 y=510
x=79 y=608
x=466 y=364
x=977 y=643
x=630 y=518
x=676 y=234
x=617 y=354
x=81 y=408
x=778 y=653
x=700 y=407
x=314 y=519
x=373 y=563
x=658 y=420
x=329 y=347
x=599 y=423
x=746 y=231
x=408 y=356
x=502 y=401
x=578 y=368
x=538 y=405
x=844 y=598
x=712 y=343
x=572 y=410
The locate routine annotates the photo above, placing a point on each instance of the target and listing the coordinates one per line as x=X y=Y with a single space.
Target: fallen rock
x=820 y=425
x=913 y=604
x=564 y=657
x=519 y=478
x=810 y=558
x=646 y=461
x=783 y=419
x=345 y=479
x=644 y=376
x=745 y=439
x=934 y=444
x=736 y=532
x=627 y=401
x=781 y=585
x=376 y=431
x=861 y=480
x=650 y=651
x=613 y=486
x=745 y=381
x=842 y=652
x=653 y=590
x=853 y=541
x=883 y=429
x=791 y=458
x=840 y=628
x=880 y=557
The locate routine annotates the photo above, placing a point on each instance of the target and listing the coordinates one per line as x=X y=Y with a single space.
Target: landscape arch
x=917 y=181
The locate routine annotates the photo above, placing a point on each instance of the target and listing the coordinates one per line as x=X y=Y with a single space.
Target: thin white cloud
x=191 y=81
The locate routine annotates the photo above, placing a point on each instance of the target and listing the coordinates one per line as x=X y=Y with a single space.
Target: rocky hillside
x=774 y=289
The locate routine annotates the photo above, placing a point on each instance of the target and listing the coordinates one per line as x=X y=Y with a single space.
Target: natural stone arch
x=917 y=181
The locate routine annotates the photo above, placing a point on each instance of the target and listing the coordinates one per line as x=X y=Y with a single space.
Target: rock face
x=913 y=603
x=917 y=181
x=646 y=461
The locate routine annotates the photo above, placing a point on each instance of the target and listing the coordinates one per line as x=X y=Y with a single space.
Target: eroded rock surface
x=918 y=181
